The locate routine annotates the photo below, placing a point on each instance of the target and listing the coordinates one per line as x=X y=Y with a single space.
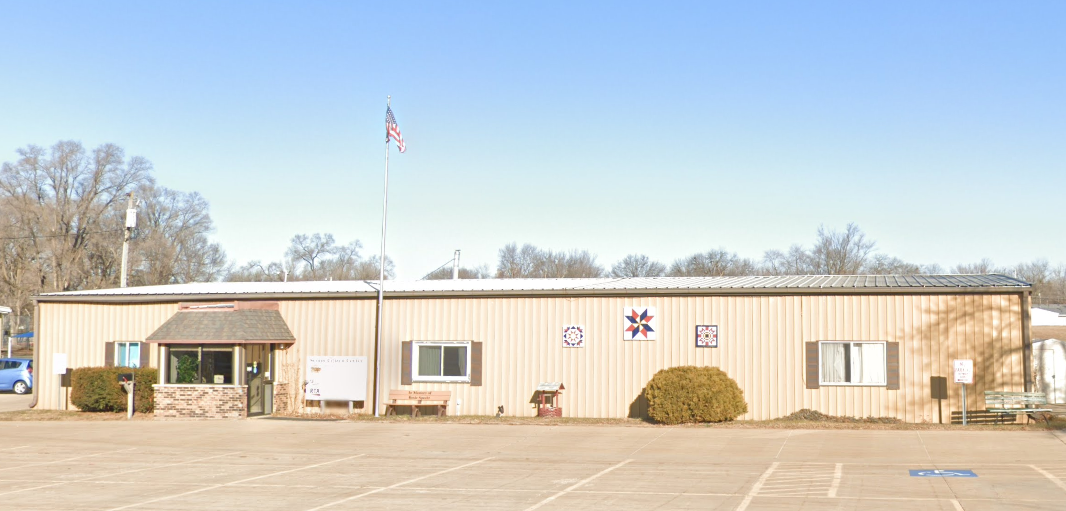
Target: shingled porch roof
x=224 y=325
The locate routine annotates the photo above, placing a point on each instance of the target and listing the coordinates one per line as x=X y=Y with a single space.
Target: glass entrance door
x=256 y=367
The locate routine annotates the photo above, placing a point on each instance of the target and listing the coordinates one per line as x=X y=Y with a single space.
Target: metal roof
x=497 y=287
x=1056 y=308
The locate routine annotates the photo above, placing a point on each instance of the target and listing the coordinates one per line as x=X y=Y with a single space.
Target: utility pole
x=131 y=222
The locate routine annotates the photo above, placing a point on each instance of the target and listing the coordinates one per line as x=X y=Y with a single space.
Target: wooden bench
x=1016 y=403
x=417 y=398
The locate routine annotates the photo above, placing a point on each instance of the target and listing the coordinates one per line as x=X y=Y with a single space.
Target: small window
x=207 y=365
x=852 y=363
x=441 y=361
x=127 y=354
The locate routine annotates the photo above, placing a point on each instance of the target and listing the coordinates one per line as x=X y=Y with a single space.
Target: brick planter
x=201 y=401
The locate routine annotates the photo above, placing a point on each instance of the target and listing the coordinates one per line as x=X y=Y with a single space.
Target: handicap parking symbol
x=942 y=473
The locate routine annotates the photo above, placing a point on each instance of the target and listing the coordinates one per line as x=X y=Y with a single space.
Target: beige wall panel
x=325 y=327
x=80 y=331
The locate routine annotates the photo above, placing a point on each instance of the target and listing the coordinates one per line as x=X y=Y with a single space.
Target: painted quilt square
x=707 y=336
x=640 y=323
x=573 y=336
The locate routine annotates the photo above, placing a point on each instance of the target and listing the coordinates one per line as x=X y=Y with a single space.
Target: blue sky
x=939 y=128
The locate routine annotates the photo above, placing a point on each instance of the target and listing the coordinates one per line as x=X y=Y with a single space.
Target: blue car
x=16 y=374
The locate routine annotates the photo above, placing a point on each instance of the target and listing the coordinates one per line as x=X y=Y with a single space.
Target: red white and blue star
x=640 y=324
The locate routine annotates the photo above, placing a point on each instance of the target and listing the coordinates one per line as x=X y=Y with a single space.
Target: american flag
x=392 y=129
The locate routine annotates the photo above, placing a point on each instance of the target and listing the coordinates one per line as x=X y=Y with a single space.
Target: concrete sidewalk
x=277 y=464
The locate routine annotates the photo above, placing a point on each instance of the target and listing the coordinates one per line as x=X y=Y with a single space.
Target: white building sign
x=336 y=379
x=963 y=371
x=59 y=363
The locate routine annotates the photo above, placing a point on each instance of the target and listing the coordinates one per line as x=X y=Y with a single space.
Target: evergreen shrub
x=97 y=389
x=694 y=394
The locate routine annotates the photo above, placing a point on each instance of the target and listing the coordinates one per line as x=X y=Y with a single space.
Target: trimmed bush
x=96 y=389
x=694 y=394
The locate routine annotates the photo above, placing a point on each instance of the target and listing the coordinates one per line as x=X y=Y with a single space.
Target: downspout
x=36 y=351
x=1027 y=340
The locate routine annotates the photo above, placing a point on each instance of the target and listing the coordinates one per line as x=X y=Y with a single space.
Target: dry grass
x=799 y=420
x=68 y=415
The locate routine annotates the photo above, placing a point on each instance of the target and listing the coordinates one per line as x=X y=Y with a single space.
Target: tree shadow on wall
x=638 y=409
x=964 y=327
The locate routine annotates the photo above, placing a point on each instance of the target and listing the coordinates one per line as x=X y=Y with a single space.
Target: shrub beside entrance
x=96 y=389
x=694 y=394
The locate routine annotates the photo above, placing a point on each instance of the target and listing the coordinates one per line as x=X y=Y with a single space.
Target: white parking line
x=837 y=474
x=90 y=478
x=67 y=459
x=397 y=484
x=575 y=486
x=757 y=486
x=1058 y=482
x=212 y=487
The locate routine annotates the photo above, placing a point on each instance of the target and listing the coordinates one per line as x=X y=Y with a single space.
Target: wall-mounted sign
x=574 y=336
x=707 y=336
x=59 y=363
x=963 y=371
x=640 y=323
x=336 y=379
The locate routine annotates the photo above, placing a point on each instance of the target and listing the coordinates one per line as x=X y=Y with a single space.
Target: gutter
x=36 y=352
x=154 y=298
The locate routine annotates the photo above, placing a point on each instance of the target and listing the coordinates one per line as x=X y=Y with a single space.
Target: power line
x=60 y=235
x=450 y=261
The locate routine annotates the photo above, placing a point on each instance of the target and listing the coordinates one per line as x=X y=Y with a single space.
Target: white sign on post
x=963 y=371
x=336 y=379
x=59 y=363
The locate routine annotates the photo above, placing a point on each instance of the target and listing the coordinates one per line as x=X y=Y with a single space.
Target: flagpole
x=381 y=272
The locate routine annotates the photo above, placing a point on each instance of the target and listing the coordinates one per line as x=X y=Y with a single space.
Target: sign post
x=963 y=375
x=59 y=367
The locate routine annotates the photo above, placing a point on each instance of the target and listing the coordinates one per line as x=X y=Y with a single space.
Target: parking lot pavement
x=10 y=401
x=268 y=464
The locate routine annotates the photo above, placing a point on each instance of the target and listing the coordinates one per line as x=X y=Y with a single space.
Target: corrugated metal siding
x=761 y=345
x=80 y=330
x=326 y=327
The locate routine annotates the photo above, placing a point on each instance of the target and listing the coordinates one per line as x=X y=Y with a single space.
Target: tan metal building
x=842 y=345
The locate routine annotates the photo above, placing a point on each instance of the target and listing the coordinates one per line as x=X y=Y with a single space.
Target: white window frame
x=884 y=351
x=415 y=377
x=118 y=346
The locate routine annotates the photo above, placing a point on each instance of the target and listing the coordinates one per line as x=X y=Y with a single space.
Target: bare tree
x=314 y=257
x=254 y=271
x=638 y=265
x=445 y=273
x=517 y=262
x=61 y=197
x=573 y=265
x=982 y=267
x=307 y=251
x=713 y=263
x=796 y=261
x=170 y=244
x=881 y=264
x=840 y=252
x=932 y=269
